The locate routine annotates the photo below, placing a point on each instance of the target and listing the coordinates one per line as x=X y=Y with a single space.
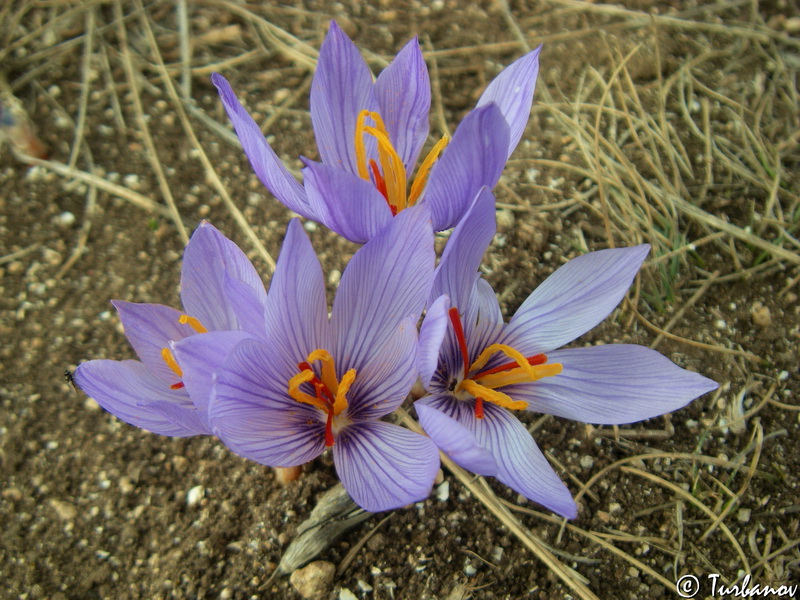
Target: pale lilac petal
x=186 y=415
x=253 y=414
x=612 y=385
x=386 y=281
x=384 y=466
x=269 y=168
x=150 y=328
x=126 y=388
x=296 y=316
x=512 y=90
x=210 y=256
x=483 y=320
x=346 y=204
x=461 y=259
x=474 y=158
x=247 y=305
x=431 y=334
x=573 y=299
x=521 y=465
x=403 y=91
x=385 y=378
x=342 y=87
x=199 y=356
x=455 y=440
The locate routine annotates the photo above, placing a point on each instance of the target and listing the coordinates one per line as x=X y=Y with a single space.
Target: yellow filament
x=193 y=323
x=493 y=396
x=344 y=386
x=361 y=150
x=517 y=375
x=166 y=354
x=295 y=382
x=394 y=172
x=514 y=355
x=424 y=170
x=328 y=370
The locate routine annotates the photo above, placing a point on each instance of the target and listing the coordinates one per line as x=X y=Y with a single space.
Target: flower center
x=169 y=358
x=482 y=385
x=389 y=173
x=330 y=394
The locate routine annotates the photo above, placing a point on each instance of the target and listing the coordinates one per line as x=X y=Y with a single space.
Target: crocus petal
x=125 y=388
x=385 y=378
x=199 y=356
x=246 y=304
x=296 y=315
x=458 y=268
x=573 y=299
x=150 y=328
x=345 y=203
x=483 y=320
x=452 y=438
x=342 y=87
x=431 y=334
x=403 y=91
x=269 y=168
x=612 y=385
x=384 y=466
x=521 y=465
x=254 y=416
x=386 y=281
x=512 y=90
x=209 y=256
x=474 y=158
x=186 y=415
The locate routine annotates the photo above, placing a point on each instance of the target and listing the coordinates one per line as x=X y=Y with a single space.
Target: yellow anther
x=193 y=323
x=424 y=170
x=344 y=386
x=166 y=354
x=493 y=396
x=328 y=369
x=518 y=375
x=514 y=355
x=295 y=382
x=361 y=150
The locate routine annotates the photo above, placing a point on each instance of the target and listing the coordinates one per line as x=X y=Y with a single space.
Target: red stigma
x=325 y=396
x=478 y=408
x=177 y=386
x=539 y=359
x=455 y=319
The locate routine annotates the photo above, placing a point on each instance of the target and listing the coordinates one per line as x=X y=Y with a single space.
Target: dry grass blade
x=152 y=153
x=500 y=511
x=187 y=126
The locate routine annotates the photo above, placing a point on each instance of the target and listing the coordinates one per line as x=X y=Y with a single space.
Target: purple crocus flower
x=370 y=135
x=485 y=370
x=314 y=382
x=222 y=292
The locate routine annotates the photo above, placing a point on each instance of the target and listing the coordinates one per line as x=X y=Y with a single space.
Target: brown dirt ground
x=93 y=508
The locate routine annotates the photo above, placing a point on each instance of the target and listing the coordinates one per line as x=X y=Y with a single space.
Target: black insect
x=70 y=379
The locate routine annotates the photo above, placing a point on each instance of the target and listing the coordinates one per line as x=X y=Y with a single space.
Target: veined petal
x=253 y=415
x=126 y=388
x=345 y=203
x=573 y=299
x=452 y=438
x=384 y=466
x=269 y=168
x=431 y=334
x=150 y=328
x=521 y=465
x=385 y=378
x=512 y=90
x=342 y=87
x=386 y=281
x=461 y=259
x=199 y=356
x=474 y=158
x=247 y=305
x=612 y=385
x=209 y=256
x=403 y=91
x=483 y=320
x=296 y=313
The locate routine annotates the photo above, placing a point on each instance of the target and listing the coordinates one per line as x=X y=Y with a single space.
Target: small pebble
x=314 y=581
x=65 y=510
x=760 y=315
x=345 y=594
x=443 y=491
x=194 y=495
x=364 y=586
x=65 y=219
x=743 y=516
x=587 y=462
